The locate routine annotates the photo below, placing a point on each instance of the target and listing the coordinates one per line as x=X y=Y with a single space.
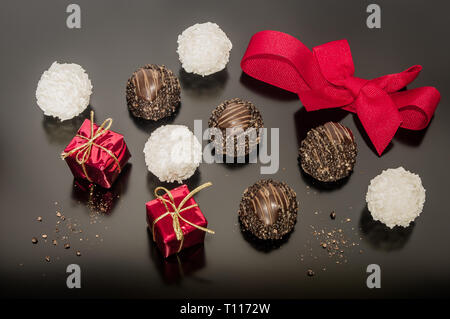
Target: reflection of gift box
x=96 y=153
x=176 y=227
x=175 y=268
x=97 y=199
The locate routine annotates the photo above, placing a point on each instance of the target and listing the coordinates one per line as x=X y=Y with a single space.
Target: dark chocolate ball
x=153 y=92
x=328 y=153
x=268 y=209
x=239 y=122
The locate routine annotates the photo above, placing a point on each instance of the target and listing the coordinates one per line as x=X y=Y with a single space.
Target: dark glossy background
x=119 y=36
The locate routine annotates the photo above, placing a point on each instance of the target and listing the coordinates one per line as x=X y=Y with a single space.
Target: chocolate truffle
x=268 y=209
x=328 y=153
x=153 y=92
x=239 y=122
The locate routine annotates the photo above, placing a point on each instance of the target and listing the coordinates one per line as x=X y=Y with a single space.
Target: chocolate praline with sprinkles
x=268 y=209
x=153 y=92
x=242 y=121
x=328 y=153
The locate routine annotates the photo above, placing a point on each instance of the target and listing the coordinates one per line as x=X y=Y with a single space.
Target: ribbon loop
x=324 y=78
x=176 y=213
x=283 y=61
x=335 y=61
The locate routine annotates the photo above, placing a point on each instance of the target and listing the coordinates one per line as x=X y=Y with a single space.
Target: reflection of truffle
x=395 y=197
x=153 y=92
x=61 y=133
x=239 y=122
x=263 y=245
x=203 y=49
x=198 y=86
x=268 y=209
x=328 y=153
x=380 y=236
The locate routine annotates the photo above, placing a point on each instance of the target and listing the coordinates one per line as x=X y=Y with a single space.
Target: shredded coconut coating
x=203 y=49
x=395 y=197
x=172 y=153
x=64 y=90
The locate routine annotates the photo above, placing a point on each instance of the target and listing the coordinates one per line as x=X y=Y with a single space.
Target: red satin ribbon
x=324 y=78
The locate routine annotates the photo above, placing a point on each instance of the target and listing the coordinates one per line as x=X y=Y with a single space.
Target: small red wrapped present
x=96 y=153
x=175 y=219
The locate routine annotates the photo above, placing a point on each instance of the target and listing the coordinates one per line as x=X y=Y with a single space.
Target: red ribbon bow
x=324 y=78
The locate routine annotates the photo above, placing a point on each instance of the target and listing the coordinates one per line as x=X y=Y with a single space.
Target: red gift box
x=175 y=219
x=96 y=153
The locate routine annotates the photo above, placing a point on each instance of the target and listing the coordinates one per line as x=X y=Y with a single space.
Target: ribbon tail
x=176 y=226
x=417 y=106
x=378 y=115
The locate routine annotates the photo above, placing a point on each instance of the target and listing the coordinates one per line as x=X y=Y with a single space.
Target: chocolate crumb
x=333 y=215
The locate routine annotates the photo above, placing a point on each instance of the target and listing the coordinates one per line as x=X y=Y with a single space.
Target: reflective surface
x=118 y=258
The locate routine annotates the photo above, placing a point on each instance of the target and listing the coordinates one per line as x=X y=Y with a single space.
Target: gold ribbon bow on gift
x=176 y=216
x=85 y=149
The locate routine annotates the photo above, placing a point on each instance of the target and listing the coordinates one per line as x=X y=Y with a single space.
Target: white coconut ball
x=204 y=49
x=172 y=153
x=395 y=197
x=64 y=90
